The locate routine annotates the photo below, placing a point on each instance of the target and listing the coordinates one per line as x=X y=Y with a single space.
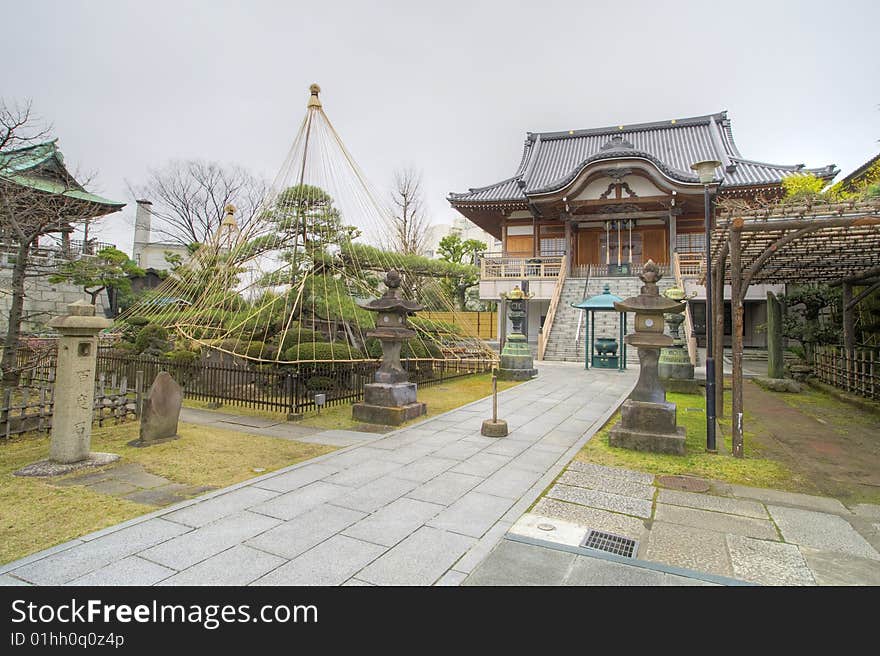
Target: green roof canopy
x=599 y=302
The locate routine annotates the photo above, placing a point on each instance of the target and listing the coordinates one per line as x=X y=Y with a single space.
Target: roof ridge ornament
x=617 y=143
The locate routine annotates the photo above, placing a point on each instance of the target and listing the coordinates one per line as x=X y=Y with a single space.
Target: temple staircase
x=566 y=338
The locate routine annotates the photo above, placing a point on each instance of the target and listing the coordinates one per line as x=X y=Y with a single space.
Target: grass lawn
x=754 y=470
x=36 y=514
x=440 y=398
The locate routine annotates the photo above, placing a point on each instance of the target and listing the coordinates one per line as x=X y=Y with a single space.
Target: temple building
x=590 y=207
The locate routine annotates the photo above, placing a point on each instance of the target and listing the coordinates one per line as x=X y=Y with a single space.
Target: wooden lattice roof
x=802 y=244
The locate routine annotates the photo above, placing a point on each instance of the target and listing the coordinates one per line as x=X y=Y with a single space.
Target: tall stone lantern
x=648 y=420
x=516 y=358
x=391 y=399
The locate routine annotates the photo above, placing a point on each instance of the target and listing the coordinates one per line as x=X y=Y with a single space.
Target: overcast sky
x=448 y=87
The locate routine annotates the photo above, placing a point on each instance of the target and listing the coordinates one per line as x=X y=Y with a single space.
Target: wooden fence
x=482 y=324
x=857 y=372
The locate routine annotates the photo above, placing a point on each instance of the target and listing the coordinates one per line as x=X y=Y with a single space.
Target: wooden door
x=654 y=246
x=519 y=245
x=587 y=248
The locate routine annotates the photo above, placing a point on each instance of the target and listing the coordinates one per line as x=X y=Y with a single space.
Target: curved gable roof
x=553 y=159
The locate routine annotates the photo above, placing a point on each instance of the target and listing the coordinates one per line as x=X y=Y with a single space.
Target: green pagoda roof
x=603 y=301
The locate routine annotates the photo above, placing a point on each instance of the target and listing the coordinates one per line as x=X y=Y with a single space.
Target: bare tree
x=189 y=199
x=409 y=223
x=35 y=202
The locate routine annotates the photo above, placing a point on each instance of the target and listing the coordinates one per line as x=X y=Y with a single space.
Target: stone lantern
x=516 y=358
x=391 y=399
x=675 y=362
x=648 y=420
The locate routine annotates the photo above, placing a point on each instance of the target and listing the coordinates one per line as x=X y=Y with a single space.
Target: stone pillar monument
x=648 y=420
x=391 y=399
x=516 y=358
x=74 y=394
x=675 y=362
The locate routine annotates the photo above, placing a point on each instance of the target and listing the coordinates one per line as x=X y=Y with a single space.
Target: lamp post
x=706 y=172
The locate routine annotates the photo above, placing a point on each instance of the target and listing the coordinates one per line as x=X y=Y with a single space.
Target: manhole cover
x=685 y=483
x=610 y=543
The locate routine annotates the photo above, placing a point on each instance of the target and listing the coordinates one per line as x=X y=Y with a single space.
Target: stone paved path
x=420 y=506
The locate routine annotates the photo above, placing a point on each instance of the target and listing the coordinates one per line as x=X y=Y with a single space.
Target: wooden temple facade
x=600 y=202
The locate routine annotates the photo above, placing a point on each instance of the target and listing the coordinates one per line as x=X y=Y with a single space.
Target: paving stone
x=587 y=517
x=239 y=565
x=451 y=578
x=835 y=568
x=143 y=479
x=128 y=571
x=72 y=563
x=616 y=472
x=709 y=502
x=821 y=531
x=601 y=500
x=472 y=515
x=867 y=510
x=332 y=562
x=515 y=563
x=509 y=482
x=113 y=487
x=608 y=484
x=445 y=488
x=375 y=494
x=400 y=439
x=363 y=473
x=223 y=505
x=482 y=465
x=420 y=559
x=406 y=454
x=767 y=563
x=7 y=580
x=354 y=457
x=587 y=571
x=299 y=477
x=303 y=532
x=482 y=548
x=424 y=469
x=394 y=522
x=823 y=504
x=691 y=548
x=508 y=446
x=458 y=451
x=537 y=459
x=559 y=438
x=356 y=583
x=715 y=521
x=167 y=494
x=288 y=506
x=193 y=547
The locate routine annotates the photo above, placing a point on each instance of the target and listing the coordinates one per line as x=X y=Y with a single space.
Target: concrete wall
x=43 y=301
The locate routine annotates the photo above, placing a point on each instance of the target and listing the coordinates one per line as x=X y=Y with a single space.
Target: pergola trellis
x=837 y=244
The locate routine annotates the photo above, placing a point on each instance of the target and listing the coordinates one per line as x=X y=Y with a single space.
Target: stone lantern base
x=516 y=359
x=389 y=404
x=647 y=426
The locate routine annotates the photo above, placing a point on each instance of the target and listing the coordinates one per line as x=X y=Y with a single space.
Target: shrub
x=137 y=321
x=296 y=335
x=179 y=356
x=322 y=351
x=152 y=340
x=413 y=348
x=320 y=384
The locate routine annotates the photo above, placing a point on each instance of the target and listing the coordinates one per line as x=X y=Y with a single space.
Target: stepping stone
x=821 y=531
x=768 y=563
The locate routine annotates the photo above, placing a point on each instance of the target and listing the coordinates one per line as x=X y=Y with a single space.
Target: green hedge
x=322 y=351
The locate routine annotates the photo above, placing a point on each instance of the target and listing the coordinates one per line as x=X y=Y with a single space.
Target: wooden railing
x=544 y=333
x=605 y=270
x=506 y=267
x=690 y=264
x=857 y=371
x=688 y=325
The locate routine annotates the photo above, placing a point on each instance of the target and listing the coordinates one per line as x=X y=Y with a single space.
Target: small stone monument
x=73 y=409
x=160 y=412
x=675 y=361
x=391 y=399
x=648 y=420
x=516 y=358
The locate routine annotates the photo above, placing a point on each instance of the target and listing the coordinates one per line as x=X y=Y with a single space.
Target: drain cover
x=616 y=544
x=685 y=483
